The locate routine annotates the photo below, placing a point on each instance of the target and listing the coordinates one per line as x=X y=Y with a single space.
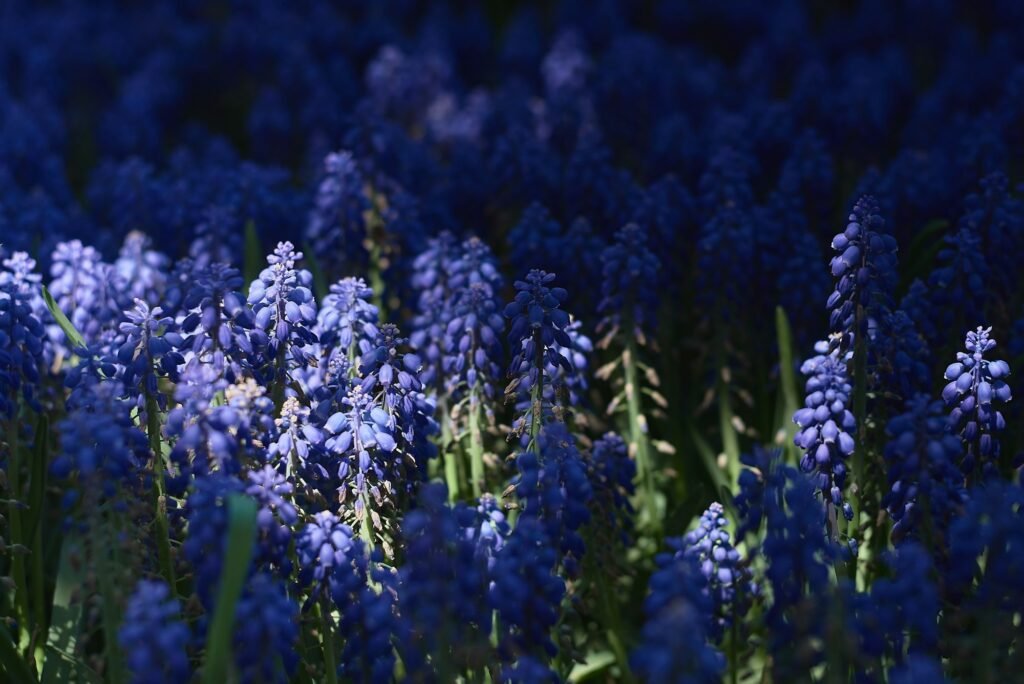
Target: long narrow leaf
x=74 y=337
x=787 y=379
x=15 y=669
x=241 y=539
x=62 y=638
x=320 y=284
x=252 y=262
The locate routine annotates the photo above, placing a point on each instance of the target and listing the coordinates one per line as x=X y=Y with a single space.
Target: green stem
x=640 y=445
x=860 y=394
x=327 y=642
x=21 y=594
x=107 y=569
x=614 y=627
x=476 y=445
x=730 y=440
x=377 y=280
x=537 y=395
x=163 y=540
x=450 y=455
x=366 y=525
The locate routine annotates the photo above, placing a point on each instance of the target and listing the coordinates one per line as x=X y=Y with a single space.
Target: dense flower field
x=594 y=340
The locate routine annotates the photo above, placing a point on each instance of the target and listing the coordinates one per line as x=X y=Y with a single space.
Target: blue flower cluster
x=452 y=477
x=976 y=387
x=827 y=426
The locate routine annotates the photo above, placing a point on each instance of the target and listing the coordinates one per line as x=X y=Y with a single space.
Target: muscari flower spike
x=865 y=271
x=976 y=387
x=22 y=341
x=674 y=645
x=926 y=485
x=826 y=426
x=154 y=637
x=284 y=309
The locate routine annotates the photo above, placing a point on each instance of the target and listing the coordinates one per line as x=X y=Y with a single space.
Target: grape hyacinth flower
x=88 y=290
x=674 y=645
x=265 y=633
x=324 y=543
x=526 y=592
x=22 y=340
x=100 y=443
x=720 y=564
x=442 y=590
x=153 y=636
x=275 y=519
x=218 y=319
x=149 y=351
x=926 y=486
x=553 y=488
x=826 y=428
x=538 y=325
x=337 y=223
x=369 y=623
x=976 y=387
x=285 y=311
x=865 y=272
x=206 y=511
x=629 y=284
x=611 y=472
x=143 y=270
x=347 y=319
x=904 y=607
x=430 y=278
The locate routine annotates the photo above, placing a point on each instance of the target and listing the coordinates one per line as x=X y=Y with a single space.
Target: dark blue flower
x=865 y=272
x=100 y=444
x=22 y=339
x=674 y=643
x=323 y=543
x=553 y=487
x=217 y=318
x=143 y=270
x=442 y=589
x=728 y=581
x=630 y=283
x=538 y=328
x=284 y=310
x=526 y=592
x=337 y=224
x=826 y=426
x=368 y=622
x=266 y=632
x=147 y=351
x=153 y=636
x=926 y=488
x=976 y=387
x=87 y=289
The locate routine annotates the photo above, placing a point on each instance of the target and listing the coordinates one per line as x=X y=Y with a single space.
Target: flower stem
x=21 y=594
x=639 y=443
x=163 y=542
x=327 y=642
x=476 y=445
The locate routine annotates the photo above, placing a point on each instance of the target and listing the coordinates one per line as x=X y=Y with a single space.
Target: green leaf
x=15 y=669
x=254 y=257
x=320 y=284
x=62 y=638
x=237 y=557
x=74 y=337
x=718 y=475
x=37 y=483
x=787 y=379
x=922 y=251
x=595 y=664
